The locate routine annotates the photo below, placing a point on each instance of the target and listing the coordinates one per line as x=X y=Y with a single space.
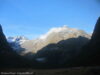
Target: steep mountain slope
x=15 y=42
x=8 y=57
x=17 y=39
x=60 y=41
x=65 y=54
x=54 y=35
x=91 y=52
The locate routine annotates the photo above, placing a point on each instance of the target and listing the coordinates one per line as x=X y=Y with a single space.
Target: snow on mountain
x=54 y=35
x=53 y=30
x=64 y=30
x=17 y=39
x=16 y=42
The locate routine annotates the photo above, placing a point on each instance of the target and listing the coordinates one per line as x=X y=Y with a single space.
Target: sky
x=31 y=18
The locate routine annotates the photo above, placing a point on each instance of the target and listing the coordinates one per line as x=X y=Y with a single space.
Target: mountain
x=15 y=42
x=59 y=48
x=58 y=40
x=8 y=57
x=73 y=52
x=22 y=45
x=3 y=42
x=54 y=35
x=91 y=51
x=17 y=39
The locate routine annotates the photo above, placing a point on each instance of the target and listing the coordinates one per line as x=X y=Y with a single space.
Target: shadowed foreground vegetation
x=69 y=71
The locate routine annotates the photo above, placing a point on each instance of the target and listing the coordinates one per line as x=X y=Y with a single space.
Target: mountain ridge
x=54 y=35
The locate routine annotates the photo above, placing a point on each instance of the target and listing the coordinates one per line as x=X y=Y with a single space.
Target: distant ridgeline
x=62 y=54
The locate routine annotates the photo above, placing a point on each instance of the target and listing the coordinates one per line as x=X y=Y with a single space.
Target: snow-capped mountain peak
x=53 y=30
x=16 y=42
x=64 y=29
x=54 y=35
x=17 y=39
